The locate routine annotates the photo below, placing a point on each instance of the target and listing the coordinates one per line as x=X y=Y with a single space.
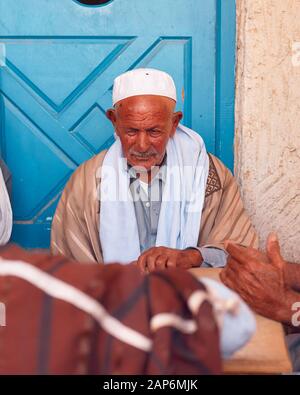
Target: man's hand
x=292 y=276
x=260 y=279
x=163 y=258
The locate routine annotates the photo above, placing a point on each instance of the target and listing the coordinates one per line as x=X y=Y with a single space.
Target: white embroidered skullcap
x=143 y=82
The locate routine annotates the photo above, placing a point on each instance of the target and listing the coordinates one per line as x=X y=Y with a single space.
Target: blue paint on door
x=58 y=60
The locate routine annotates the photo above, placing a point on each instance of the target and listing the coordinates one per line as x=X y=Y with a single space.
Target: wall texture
x=267 y=140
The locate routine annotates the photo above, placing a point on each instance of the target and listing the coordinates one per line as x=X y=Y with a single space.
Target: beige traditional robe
x=75 y=227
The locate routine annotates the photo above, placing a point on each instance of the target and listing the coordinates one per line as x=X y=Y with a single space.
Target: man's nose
x=142 y=143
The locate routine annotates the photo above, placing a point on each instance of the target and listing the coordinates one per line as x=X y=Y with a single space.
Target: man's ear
x=177 y=116
x=111 y=115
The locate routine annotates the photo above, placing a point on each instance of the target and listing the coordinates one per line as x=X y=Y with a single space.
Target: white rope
x=66 y=292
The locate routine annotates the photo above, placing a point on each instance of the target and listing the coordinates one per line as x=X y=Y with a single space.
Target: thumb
x=273 y=250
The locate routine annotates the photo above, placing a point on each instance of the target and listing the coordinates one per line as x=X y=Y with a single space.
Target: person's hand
x=163 y=258
x=259 y=278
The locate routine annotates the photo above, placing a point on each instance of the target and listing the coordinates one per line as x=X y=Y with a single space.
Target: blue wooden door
x=58 y=59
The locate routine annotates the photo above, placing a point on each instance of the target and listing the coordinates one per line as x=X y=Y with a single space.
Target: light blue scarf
x=182 y=200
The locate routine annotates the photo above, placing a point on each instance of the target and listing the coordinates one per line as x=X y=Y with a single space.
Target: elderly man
x=155 y=197
x=5 y=207
x=270 y=285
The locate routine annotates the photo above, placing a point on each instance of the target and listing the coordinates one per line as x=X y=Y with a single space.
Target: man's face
x=144 y=125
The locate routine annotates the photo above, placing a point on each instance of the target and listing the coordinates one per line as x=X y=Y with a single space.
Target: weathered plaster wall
x=267 y=141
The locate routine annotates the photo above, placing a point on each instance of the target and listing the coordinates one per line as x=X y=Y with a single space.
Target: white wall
x=267 y=140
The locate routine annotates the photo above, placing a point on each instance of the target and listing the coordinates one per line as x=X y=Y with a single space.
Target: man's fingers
x=235 y=266
x=142 y=263
x=152 y=259
x=230 y=271
x=232 y=275
x=151 y=262
x=273 y=250
x=241 y=254
x=171 y=263
x=227 y=280
x=161 y=262
x=223 y=275
x=235 y=250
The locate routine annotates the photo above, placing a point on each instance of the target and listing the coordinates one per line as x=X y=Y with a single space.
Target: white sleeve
x=236 y=327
